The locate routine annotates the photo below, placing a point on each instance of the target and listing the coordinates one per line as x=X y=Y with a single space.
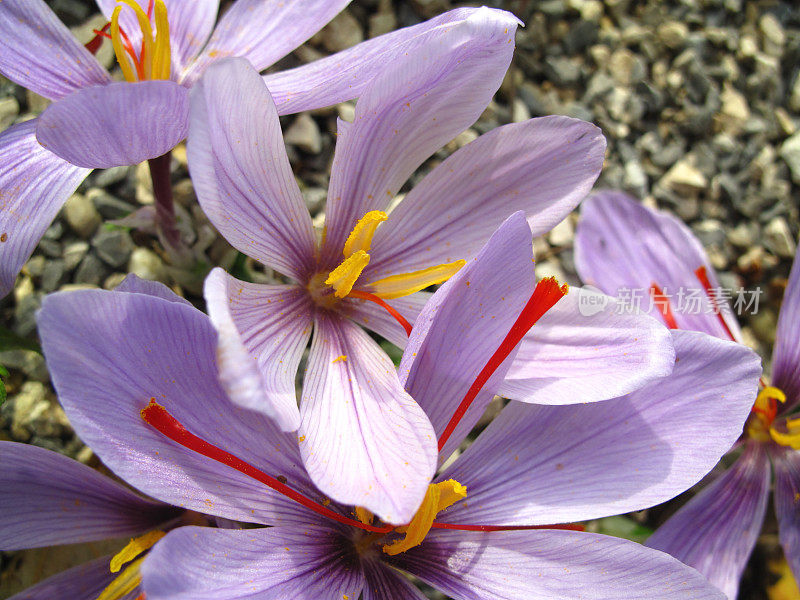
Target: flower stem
x=165 y=207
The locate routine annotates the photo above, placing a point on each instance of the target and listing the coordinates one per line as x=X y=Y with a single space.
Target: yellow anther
x=161 y=52
x=134 y=548
x=397 y=286
x=789 y=438
x=124 y=584
x=119 y=51
x=361 y=236
x=343 y=277
x=364 y=515
x=147 y=37
x=438 y=497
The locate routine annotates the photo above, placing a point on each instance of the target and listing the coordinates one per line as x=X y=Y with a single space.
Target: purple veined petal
x=117 y=124
x=412 y=108
x=622 y=246
x=84 y=582
x=377 y=319
x=364 y=440
x=34 y=184
x=786 y=353
x=110 y=353
x=263 y=331
x=133 y=284
x=48 y=499
x=302 y=561
x=263 y=31
x=381 y=582
x=539 y=465
x=584 y=350
x=463 y=325
x=241 y=172
x=557 y=565
x=715 y=532
x=787 y=498
x=345 y=75
x=38 y=52
x=543 y=167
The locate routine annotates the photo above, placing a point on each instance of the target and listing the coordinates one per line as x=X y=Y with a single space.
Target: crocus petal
x=84 y=582
x=38 y=52
x=543 y=167
x=715 y=532
x=786 y=353
x=34 y=184
x=787 y=499
x=190 y=24
x=623 y=248
x=574 y=354
x=263 y=331
x=463 y=324
x=48 y=499
x=384 y=583
x=117 y=124
x=585 y=461
x=364 y=440
x=136 y=285
x=199 y=563
x=241 y=172
x=264 y=32
x=557 y=565
x=345 y=75
x=411 y=109
x=377 y=319
x=109 y=353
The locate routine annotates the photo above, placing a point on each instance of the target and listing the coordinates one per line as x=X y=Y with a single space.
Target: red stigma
x=544 y=297
x=94 y=44
x=702 y=276
x=159 y=418
x=661 y=301
x=380 y=302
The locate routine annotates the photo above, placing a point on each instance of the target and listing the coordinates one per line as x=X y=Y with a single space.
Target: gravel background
x=699 y=101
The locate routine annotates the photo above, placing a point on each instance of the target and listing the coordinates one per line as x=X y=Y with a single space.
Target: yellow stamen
x=147 y=37
x=161 y=53
x=397 y=286
x=364 y=515
x=134 y=548
x=791 y=437
x=124 y=584
x=119 y=51
x=438 y=497
x=343 y=277
x=361 y=236
x=765 y=395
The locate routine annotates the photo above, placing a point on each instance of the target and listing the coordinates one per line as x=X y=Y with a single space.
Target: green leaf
x=3 y=395
x=624 y=527
x=393 y=351
x=11 y=341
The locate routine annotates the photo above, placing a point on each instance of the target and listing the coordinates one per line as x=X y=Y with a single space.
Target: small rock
x=774 y=36
x=104 y=178
x=35 y=266
x=794 y=98
x=790 y=153
x=673 y=34
x=30 y=405
x=113 y=280
x=382 y=22
x=31 y=363
x=146 y=264
x=74 y=253
x=346 y=111
x=684 y=176
x=562 y=70
x=734 y=111
x=53 y=275
x=743 y=235
x=778 y=238
x=304 y=133
x=634 y=178
x=626 y=67
x=519 y=111
x=562 y=234
x=113 y=246
x=91 y=271
x=315 y=199
x=462 y=139
x=592 y=10
x=36 y=103
x=144 y=185
x=341 y=33
x=9 y=109
x=81 y=215
x=110 y=207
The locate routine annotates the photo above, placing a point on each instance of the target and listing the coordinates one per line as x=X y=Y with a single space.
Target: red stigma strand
x=544 y=297
x=702 y=276
x=93 y=45
x=150 y=9
x=159 y=418
x=662 y=303
x=390 y=309
x=566 y=527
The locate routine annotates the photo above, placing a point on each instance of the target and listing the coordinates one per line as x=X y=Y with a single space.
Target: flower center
x=761 y=425
x=152 y=61
x=130 y=578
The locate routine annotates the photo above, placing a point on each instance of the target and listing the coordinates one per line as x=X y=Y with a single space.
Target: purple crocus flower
x=47 y=499
x=369 y=266
x=135 y=373
x=162 y=46
x=622 y=244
